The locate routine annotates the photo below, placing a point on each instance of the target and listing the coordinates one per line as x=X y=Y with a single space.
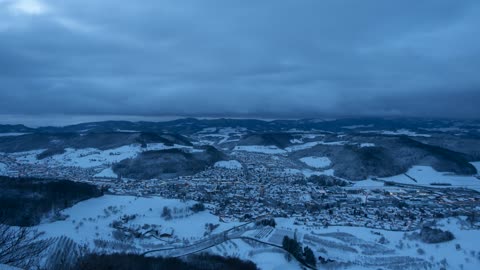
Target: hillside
x=102 y=141
x=388 y=156
x=26 y=201
x=167 y=163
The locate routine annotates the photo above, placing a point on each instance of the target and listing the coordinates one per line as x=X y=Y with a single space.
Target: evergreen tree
x=309 y=256
x=167 y=213
x=293 y=247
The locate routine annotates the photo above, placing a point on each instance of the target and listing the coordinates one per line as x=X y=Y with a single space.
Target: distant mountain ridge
x=193 y=125
x=358 y=148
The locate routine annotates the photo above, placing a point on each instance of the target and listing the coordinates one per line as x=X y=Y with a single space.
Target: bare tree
x=20 y=246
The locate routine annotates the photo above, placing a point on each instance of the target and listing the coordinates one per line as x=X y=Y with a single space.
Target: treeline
x=25 y=201
x=327 y=181
x=434 y=236
x=294 y=248
x=51 y=152
x=267 y=222
x=134 y=262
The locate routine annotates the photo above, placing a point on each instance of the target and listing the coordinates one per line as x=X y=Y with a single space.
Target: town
x=260 y=185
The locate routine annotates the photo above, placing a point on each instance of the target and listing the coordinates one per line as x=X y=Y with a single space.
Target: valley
x=358 y=193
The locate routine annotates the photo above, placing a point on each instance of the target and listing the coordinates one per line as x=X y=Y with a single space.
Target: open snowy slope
x=426 y=176
x=91 y=157
x=350 y=247
x=266 y=258
x=364 y=248
x=91 y=219
x=3 y=168
x=317 y=162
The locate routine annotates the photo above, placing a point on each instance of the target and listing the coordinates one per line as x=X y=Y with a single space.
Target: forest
x=25 y=201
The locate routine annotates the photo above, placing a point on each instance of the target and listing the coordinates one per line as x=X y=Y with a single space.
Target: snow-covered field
x=368 y=183
x=230 y=164
x=260 y=149
x=359 y=248
x=477 y=166
x=312 y=144
x=308 y=172
x=12 y=134
x=362 y=248
x=367 y=145
x=352 y=247
x=3 y=168
x=217 y=136
x=358 y=126
x=106 y=173
x=91 y=157
x=317 y=162
x=301 y=146
x=90 y=220
x=405 y=132
x=271 y=149
x=426 y=176
x=266 y=258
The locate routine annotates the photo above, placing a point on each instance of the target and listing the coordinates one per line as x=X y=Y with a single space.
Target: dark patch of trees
x=304 y=255
x=167 y=213
x=134 y=262
x=198 y=207
x=50 y=152
x=280 y=140
x=209 y=228
x=267 y=222
x=309 y=256
x=448 y=160
x=25 y=201
x=433 y=236
x=327 y=181
x=156 y=164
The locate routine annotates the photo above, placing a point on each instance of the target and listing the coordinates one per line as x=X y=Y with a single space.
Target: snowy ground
x=425 y=176
x=308 y=172
x=405 y=132
x=266 y=258
x=358 y=126
x=368 y=183
x=301 y=146
x=230 y=164
x=358 y=248
x=89 y=220
x=312 y=144
x=317 y=162
x=212 y=136
x=271 y=149
x=3 y=168
x=477 y=166
x=11 y=134
x=362 y=145
x=361 y=248
x=91 y=157
x=260 y=149
x=107 y=173
x=352 y=248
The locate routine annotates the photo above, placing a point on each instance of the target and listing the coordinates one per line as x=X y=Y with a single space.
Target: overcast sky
x=262 y=58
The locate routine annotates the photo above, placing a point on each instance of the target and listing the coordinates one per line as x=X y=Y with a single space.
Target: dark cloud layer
x=269 y=58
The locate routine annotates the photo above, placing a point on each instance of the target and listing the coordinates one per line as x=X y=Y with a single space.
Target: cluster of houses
x=263 y=186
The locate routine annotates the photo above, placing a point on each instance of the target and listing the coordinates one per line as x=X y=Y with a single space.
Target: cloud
x=249 y=58
x=29 y=7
